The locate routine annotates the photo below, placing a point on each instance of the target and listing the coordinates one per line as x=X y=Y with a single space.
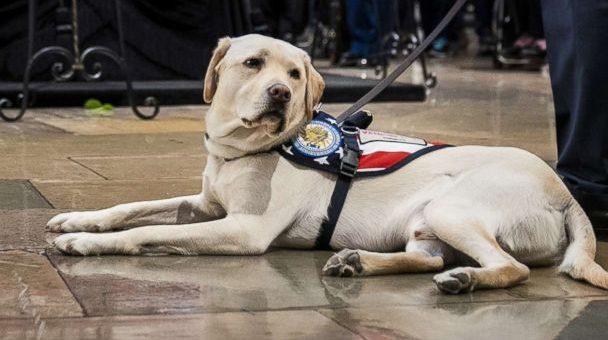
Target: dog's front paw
x=92 y=244
x=455 y=281
x=345 y=263
x=75 y=221
x=77 y=244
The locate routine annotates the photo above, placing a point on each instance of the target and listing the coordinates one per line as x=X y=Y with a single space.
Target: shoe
x=350 y=59
x=516 y=50
x=523 y=41
x=537 y=49
x=440 y=48
x=512 y=52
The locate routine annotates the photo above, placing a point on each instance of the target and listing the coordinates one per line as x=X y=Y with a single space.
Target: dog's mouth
x=273 y=120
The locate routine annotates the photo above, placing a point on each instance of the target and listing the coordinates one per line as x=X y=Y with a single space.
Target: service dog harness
x=342 y=147
x=349 y=151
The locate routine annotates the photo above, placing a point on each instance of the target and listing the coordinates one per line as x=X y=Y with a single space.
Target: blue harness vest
x=349 y=151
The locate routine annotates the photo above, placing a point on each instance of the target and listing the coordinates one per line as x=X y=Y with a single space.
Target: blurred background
x=167 y=45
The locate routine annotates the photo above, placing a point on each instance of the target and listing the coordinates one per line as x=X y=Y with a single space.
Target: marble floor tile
x=24 y=229
x=20 y=194
x=280 y=325
x=145 y=167
x=31 y=288
x=97 y=195
x=116 y=126
x=530 y=320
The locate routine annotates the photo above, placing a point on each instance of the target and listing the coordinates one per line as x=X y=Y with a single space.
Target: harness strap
x=350 y=161
x=348 y=169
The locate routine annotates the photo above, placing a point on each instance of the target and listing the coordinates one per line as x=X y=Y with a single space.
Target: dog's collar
x=229 y=159
x=210 y=144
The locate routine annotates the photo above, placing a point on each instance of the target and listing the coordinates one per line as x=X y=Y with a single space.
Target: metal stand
x=430 y=78
x=74 y=64
x=414 y=39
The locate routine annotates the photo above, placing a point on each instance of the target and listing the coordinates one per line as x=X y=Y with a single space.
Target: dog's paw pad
x=345 y=263
x=454 y=281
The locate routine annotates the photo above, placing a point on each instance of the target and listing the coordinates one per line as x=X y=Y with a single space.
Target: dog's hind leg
x=364 y=263
x=419 y=257
x=469 y=236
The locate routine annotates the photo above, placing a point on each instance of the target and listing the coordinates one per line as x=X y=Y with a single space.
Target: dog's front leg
x=232 y=235
x=178 y=210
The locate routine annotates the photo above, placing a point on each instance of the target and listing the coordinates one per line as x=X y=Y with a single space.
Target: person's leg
x=483 y=16
x=537 y=47
x=432 y=13
x=483 y=27
x=386 y=17
x=362 y=26
x=535 y=20
x=577 y=35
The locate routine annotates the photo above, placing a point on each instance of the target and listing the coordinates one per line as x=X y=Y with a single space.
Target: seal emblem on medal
x=317 y=139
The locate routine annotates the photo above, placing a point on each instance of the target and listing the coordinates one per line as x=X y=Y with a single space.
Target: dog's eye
x=295 y=74
x=253 y=62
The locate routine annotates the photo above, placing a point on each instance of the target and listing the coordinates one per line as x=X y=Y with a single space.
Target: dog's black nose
x=279 y=93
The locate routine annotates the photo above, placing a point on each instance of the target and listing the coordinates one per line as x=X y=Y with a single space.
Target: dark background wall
x=165 y=39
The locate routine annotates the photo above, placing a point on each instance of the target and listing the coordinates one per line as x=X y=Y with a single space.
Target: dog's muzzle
x=271 y=116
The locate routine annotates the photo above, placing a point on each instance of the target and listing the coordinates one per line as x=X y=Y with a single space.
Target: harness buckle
x=350 y=161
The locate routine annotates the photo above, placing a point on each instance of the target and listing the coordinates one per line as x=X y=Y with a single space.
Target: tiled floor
x=60 y=159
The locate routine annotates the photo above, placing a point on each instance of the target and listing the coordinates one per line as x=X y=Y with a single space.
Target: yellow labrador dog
x=502 y=208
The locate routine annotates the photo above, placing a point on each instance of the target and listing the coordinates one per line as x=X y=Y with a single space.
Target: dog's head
x=261 y=90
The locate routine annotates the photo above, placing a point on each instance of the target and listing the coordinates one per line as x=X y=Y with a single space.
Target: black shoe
x=533 y=52
x=349 y=59
x=512 y=52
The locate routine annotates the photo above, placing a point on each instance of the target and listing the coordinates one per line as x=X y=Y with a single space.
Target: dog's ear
x=212 y=76
x=314 y=87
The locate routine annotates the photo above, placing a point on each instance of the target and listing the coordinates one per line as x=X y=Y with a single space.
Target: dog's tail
x=579 y=260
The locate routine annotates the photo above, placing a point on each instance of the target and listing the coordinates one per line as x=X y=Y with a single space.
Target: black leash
x=354 y=120
x=369 y=96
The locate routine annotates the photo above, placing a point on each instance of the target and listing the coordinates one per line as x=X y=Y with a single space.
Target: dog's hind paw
x=345 y=263
x=454 y=281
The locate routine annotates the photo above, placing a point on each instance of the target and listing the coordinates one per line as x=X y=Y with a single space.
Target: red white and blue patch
x=320 y=145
